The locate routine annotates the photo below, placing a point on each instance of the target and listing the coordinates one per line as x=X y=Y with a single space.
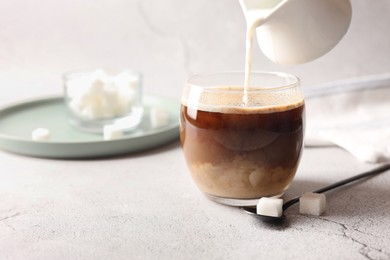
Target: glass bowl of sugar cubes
x=98 y=98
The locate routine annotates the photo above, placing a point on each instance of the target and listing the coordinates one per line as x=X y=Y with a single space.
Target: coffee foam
x=230 y=100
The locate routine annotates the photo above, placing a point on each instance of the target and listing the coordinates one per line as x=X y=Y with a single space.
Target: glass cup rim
x=70 y=74
x=295 y=81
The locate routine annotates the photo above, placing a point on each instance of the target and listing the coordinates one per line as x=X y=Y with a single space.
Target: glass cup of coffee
x=242 y=144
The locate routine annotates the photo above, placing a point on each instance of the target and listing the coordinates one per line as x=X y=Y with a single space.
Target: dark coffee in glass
x=239 y=152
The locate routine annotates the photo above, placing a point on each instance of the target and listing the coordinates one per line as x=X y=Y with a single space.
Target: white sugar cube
x=100 y=74
x=99 y=95
x=312 y=204
x=127 y=80
x=40 y=134
x=270 y=207
x=111 y=132
x=158 y=117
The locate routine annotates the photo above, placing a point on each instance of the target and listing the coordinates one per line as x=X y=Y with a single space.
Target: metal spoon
x=276 y=220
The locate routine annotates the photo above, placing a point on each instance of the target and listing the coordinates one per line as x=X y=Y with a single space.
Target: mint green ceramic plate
x=18 y=121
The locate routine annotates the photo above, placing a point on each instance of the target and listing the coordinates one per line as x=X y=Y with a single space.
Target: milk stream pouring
x=294 y=31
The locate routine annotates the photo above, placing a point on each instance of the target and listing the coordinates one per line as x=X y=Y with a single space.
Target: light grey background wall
x=166 y=40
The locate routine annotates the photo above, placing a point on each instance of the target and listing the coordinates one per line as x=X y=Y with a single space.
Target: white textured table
x=145 y=206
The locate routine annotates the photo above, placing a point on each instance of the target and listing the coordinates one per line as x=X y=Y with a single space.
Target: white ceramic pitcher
x=297 y=31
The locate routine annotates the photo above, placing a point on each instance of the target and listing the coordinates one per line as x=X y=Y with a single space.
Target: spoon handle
x=370 y=173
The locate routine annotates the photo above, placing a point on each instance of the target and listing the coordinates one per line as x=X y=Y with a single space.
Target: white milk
x=254 y=20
